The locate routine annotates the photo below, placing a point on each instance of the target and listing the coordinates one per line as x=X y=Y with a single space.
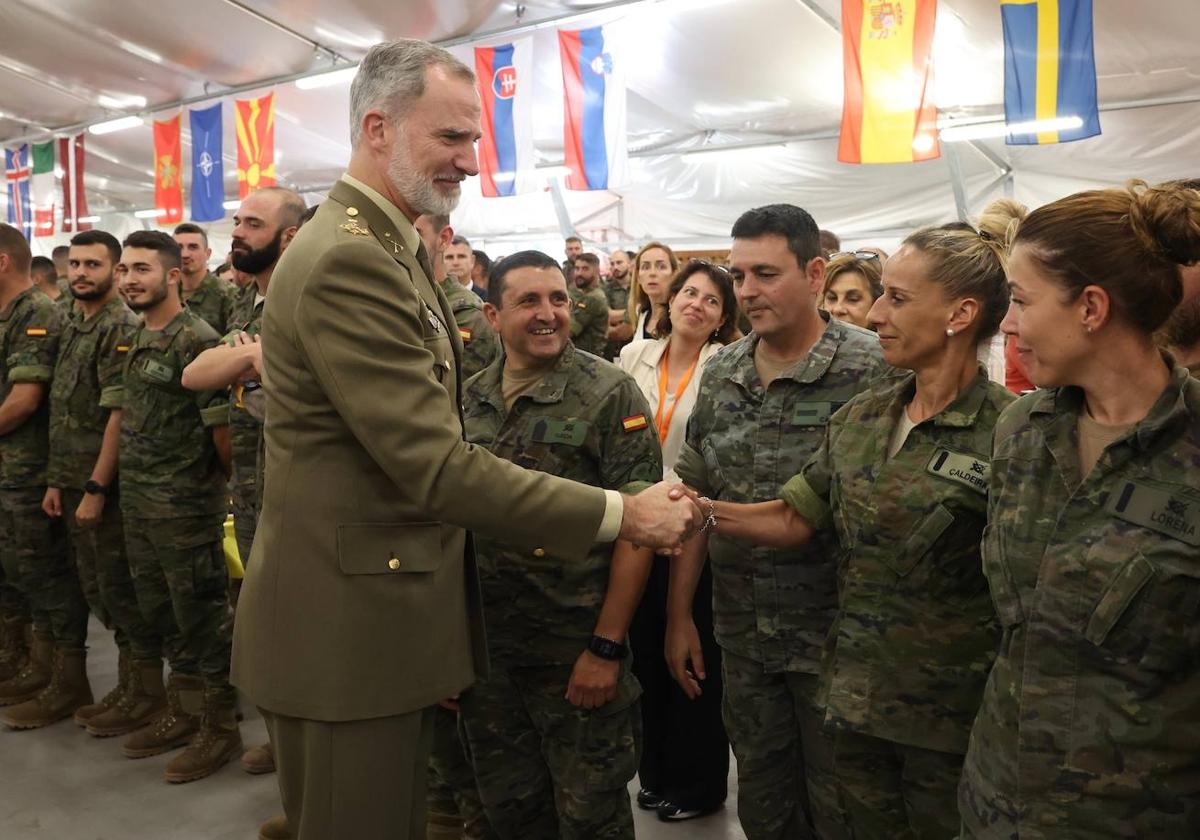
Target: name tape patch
x=1158 y=510
x=814 y=413
x=564 y=432
x=965 y=469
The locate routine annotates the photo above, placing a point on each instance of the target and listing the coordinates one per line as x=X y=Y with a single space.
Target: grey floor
x=58 y=784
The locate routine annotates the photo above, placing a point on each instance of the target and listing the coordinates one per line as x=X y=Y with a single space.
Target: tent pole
x=565 y=225
x=956 y=180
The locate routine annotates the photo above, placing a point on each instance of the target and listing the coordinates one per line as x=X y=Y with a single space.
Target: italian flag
x=42 y=187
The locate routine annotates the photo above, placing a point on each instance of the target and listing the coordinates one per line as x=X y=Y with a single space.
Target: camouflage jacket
x=89 y=382
x=587 y=421
x=589 y=319
x=30 y=329
x=618 y=298
x=213 y=300
x=168 y=464
x=915 y=634
x=245 y=431
x=481 y=347
x=1089 y=726
x=743 y=442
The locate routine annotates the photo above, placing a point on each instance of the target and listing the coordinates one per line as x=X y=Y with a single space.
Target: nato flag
x=208 y=171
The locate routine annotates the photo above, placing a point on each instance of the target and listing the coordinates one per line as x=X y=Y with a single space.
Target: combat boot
x=85 y=713
x=143 y=701
x=33 y=677
x=276 y=828
x=217 y=741
x=67 y=690
x=175 y=725
x=14 y=647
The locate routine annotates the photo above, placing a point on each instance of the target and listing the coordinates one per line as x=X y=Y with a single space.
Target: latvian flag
x=505 y=78
x=594 y=139
x=16 y=171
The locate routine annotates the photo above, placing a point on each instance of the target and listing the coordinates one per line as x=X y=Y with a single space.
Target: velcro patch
x=158 y=372
x=565 y=432
x=965 y=469
x=814 y=413
x=37 y=331
x=1157 y=509
x=634 y=423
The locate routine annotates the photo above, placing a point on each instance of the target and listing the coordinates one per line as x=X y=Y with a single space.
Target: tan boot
x=276 y=828
x=259 y=760
x=14 y=647
x=175 y=726
x=67 y=690
x=143 y=701
x=217 y=741
x=33 y=677
x=124 y=675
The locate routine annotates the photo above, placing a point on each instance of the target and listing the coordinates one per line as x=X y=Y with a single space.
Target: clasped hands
x=664 y=517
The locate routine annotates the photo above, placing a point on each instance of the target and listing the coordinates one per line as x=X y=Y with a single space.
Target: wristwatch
x=95 y=488
x=607 y=648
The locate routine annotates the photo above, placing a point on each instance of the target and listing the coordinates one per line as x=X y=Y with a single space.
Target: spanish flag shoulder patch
x=465 y=334
x=37 y=331
x=634 y=423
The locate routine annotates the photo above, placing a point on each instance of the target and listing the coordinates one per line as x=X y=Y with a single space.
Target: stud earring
x=950 y=332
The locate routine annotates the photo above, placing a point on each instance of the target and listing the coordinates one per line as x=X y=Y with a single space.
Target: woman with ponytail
x=903 y=479
x=1090 y=722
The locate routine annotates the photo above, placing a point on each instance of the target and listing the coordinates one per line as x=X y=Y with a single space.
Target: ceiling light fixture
x=982 y=131
x=335 y=77
x=147 y=214
x=119 y=124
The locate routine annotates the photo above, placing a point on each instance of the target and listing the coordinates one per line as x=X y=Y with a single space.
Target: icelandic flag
x=505 y=80
x=594 y=141
x=17 y=174
x=208 y=167
x=1049 y=68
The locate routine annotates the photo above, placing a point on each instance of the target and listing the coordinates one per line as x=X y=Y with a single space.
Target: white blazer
x=640 y=360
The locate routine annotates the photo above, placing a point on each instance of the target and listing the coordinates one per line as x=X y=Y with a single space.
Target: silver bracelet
x=710 y=518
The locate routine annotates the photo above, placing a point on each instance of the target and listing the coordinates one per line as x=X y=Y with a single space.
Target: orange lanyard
x=663 y=424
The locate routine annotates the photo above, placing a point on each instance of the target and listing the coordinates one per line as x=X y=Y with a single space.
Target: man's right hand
x=683 y=645
x=52 y=503
x=655 y=520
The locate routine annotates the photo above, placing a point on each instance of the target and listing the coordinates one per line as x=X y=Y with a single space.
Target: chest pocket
x=920 y=539
x=152 y=383
x=555 y=445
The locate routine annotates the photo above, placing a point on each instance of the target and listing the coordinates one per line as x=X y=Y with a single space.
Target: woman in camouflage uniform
x=903 y=479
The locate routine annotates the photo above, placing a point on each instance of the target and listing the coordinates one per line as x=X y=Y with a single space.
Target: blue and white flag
x=505 y=79
x=208 y=170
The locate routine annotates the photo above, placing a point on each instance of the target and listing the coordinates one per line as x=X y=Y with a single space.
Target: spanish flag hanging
x=256 y=143
x=888 y=115
x=168 y=174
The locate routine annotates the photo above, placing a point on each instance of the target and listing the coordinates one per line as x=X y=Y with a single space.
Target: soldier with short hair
x=174 y=460
x=202 y=291
x=553 y=730
x=589 y=306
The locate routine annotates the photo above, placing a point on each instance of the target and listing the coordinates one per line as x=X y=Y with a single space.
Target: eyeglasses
x=858 y=255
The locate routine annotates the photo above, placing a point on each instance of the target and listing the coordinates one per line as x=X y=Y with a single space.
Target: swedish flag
x=1049 y=68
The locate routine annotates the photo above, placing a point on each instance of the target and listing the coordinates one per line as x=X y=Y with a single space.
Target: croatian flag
x=594 y=139
x=17 y=173
x=505 y=79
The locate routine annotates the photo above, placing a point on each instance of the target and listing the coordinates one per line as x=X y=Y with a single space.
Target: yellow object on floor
x=233 y=560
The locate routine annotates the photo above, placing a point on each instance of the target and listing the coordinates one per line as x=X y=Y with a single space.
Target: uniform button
x=539 y=552
x=351 y=211
x=394 y=563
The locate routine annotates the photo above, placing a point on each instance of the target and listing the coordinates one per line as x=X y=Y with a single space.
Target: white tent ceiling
x=706 y=72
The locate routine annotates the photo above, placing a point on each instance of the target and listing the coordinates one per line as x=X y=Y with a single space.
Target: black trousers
x=685 y=752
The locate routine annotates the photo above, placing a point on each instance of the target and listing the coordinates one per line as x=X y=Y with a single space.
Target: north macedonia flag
x=256 y=143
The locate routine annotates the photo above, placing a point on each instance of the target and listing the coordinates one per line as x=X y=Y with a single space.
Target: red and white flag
x=70 y=155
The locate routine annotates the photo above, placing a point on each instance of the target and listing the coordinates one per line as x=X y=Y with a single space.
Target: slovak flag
x=505 y=79
x=594 y=141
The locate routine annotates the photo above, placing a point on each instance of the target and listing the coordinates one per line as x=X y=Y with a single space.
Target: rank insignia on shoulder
x=353 y=226
x=634 y=423
x=37 y=331
x=464 y=333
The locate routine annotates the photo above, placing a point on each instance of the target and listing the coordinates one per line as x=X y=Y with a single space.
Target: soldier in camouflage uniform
x=550 y=766
x=203 y=292
x=85 y=417
x=173 y=457
x=616 y=292
x=589 y=307
x=761 y=413
x=1088 y=727
x=34 y=553
x=902 y=477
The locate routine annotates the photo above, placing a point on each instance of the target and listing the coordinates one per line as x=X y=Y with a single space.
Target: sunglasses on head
x=858 y=255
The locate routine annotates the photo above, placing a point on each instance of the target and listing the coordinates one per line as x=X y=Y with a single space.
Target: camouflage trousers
x=245 y=520
x=451 y=794
x=786 y=788
x=546 y=769
x=178 y=569
x=36 y=562
x=99 y=557
x=891 y=791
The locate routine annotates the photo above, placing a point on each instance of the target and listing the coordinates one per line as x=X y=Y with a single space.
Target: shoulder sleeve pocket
x=370 y=549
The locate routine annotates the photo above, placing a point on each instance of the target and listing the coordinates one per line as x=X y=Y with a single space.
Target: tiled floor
x=60 y=784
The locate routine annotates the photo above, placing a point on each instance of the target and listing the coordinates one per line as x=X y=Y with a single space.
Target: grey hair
x=392 y=76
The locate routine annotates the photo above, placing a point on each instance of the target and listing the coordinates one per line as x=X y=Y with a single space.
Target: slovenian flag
x=1049 y=68
x=16 y=171
x=594 y=141
x=888 y=112
x=504 y=75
